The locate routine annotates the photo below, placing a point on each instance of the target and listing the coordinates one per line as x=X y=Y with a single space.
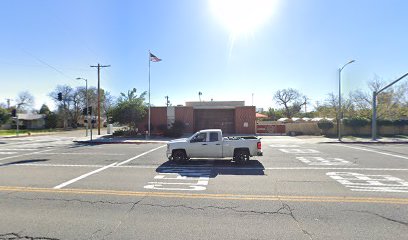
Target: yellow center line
x=332 y=199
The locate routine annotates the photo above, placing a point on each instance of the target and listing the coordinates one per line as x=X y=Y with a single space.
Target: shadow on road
x=211 y=168
x=23 y=162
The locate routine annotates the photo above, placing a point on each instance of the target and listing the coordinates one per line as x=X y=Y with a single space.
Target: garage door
x=223 y=119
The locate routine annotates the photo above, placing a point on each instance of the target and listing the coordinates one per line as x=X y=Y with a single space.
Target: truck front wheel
x=179 y=155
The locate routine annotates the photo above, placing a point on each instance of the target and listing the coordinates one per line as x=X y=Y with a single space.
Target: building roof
x=260 y=115
x=30 y=116
x=216 y=104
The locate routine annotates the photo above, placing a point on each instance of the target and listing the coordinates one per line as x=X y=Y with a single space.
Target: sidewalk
x=109 y=139
x=356 y=140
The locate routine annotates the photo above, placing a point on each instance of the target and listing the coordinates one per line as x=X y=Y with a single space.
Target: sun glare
x=242 y=16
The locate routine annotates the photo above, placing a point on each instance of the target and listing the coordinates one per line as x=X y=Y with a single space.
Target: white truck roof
x=210 y=130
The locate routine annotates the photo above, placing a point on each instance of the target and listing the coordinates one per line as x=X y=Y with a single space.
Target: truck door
x=198 y=146
x=214 y=145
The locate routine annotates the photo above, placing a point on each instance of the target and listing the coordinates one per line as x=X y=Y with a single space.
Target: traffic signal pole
x=374 y=117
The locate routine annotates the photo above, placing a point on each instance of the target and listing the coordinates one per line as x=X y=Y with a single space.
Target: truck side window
x=214 y=137
x=200 y=137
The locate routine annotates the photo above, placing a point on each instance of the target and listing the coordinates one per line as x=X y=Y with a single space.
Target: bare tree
x=25 y=100
x=291 y=100
x=108 y=102
x=65 y=105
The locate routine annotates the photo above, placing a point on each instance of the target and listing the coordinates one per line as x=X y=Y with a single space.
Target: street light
x=340 y=113
x=86 y=97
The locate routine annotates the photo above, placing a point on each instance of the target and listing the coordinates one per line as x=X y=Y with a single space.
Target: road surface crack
x=125 y=216
x=13 y=235
x=383 y=217
x=281 y=210
x=288 y=208
x=291 y=214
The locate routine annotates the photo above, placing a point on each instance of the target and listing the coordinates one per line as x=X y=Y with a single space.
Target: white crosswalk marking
x=32 y=144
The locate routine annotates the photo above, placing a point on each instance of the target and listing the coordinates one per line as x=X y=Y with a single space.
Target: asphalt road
x=52 y=188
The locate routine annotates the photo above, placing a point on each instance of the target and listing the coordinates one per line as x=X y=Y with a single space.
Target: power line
x=48 y=65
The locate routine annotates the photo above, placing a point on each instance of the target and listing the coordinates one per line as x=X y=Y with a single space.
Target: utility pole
x=167 y=101
x=99 y=95
x=8 y=103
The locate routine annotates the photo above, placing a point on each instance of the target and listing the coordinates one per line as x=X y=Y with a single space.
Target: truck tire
x=241 y=156
x=179 y=155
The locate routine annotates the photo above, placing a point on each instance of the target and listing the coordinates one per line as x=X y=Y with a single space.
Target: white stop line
x=181 y=179
x=295 y=150
x=370 y=183
x=319 y=161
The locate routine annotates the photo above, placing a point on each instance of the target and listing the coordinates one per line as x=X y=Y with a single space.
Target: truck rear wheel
x=241 y=156
x=179 y=156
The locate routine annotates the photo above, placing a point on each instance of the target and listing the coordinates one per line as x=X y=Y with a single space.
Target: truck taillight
x=259 y=145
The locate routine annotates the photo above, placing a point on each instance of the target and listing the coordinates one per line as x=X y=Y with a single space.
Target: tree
x=64 y=106
x=74 y=100
x=51 y=120
x=275 y=114
x=4 y=116
x=132 y=96
x=44 y=109
x=108 y=103
x=291 y=99
x=130 y=109
x=24 y=100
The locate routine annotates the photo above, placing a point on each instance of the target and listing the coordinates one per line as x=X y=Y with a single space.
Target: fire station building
x=232 y=117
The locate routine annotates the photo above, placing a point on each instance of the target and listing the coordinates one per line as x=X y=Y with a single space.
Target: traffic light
x=13 y=112
x=59 y=96
x=84 y=111
x=90 y=110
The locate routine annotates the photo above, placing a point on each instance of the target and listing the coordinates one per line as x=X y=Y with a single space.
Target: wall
x=158 y=117
x=311 y=128
x=245 y=120
x=186 y=115
x=366 y=130
x=307 y=128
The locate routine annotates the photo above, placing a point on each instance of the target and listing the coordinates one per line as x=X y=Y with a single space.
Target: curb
x=103 y=142
x=365 y=142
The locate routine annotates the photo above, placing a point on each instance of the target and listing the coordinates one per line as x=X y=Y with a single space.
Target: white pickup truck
x=209 y=143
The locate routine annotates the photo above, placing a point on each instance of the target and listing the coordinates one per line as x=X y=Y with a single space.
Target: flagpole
x=148 y=124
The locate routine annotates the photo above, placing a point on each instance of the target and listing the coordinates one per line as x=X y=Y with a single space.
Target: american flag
x=153 y=58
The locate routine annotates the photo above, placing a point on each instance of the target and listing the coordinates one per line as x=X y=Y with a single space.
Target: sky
x=228 y=50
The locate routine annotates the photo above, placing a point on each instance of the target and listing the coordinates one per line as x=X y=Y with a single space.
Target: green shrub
x=385 y=122
x=176 y=130
x=400 y=122
x=162 y=128
x=356 y=122
x=325 y=124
